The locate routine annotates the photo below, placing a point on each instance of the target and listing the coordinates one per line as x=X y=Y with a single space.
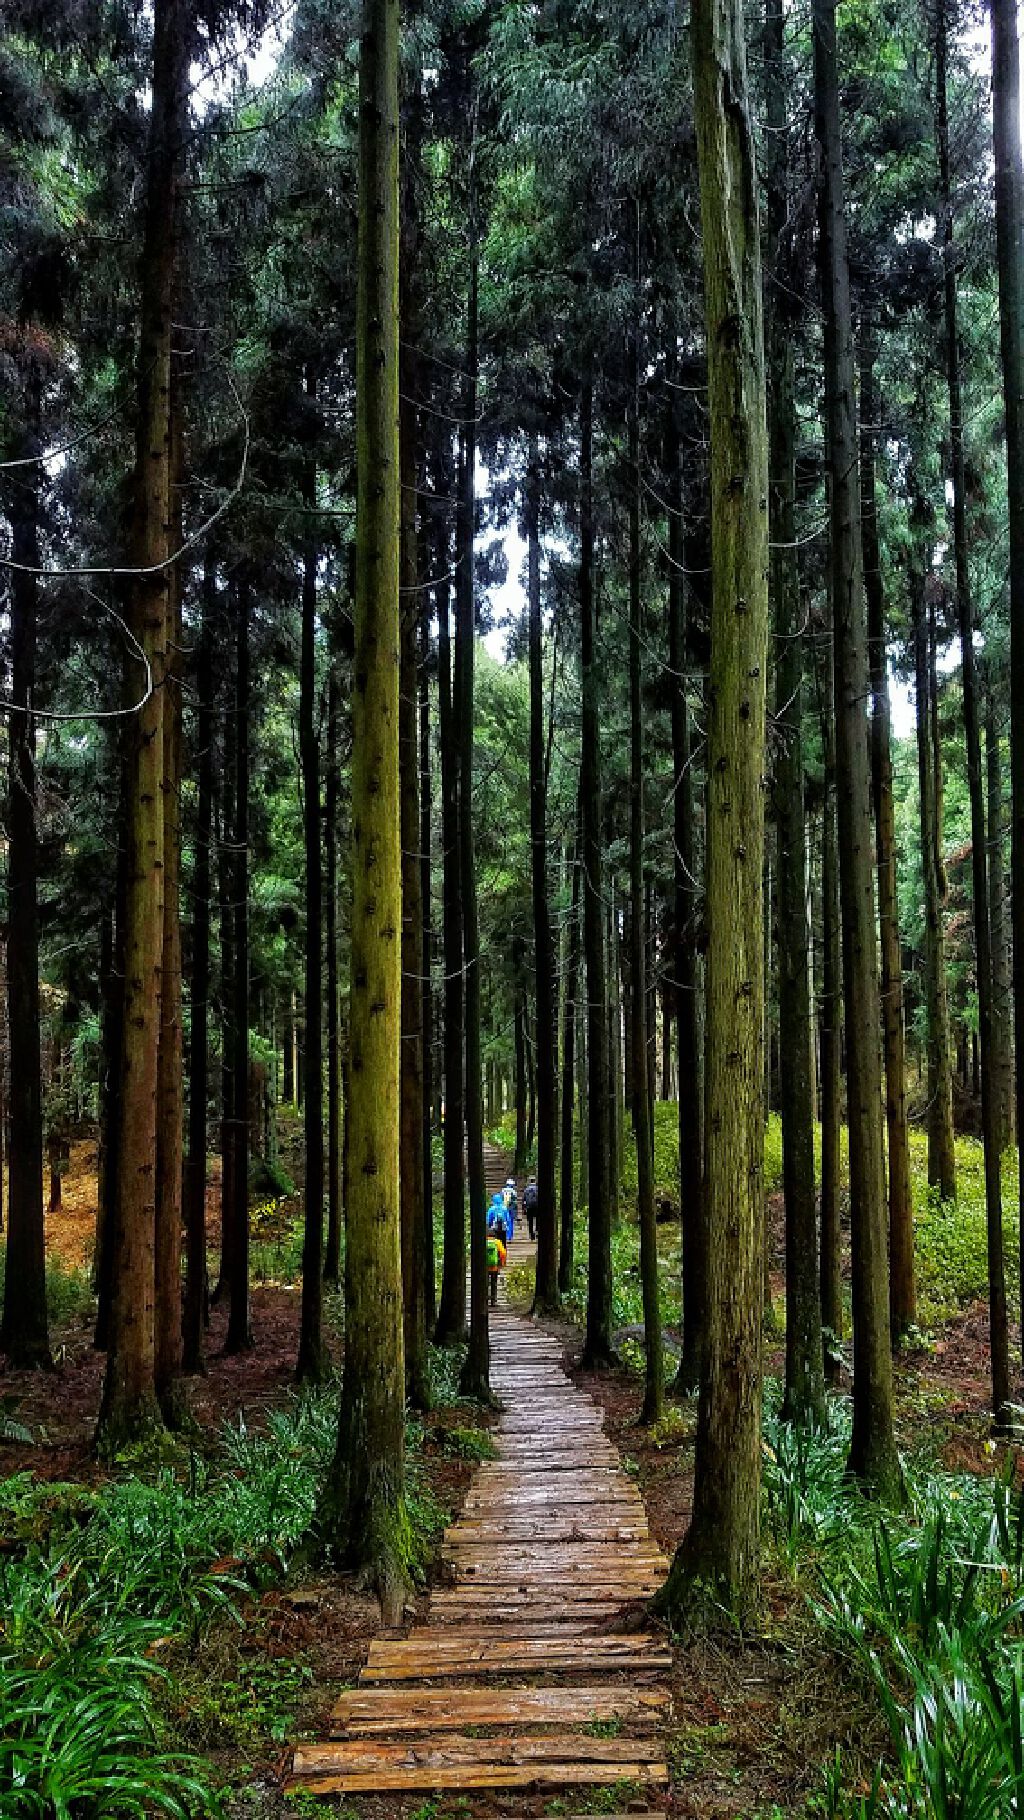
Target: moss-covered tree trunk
x=873 y=1457
x=363 y=1515
x=716 y=1563
x=129 y=1404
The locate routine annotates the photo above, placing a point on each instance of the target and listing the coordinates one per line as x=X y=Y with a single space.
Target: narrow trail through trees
x=546 y=1567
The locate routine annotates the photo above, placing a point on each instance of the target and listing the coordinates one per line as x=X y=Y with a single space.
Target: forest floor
x=755 y=1717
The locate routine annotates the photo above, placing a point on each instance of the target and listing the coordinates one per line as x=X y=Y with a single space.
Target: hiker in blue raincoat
x=500 y=1218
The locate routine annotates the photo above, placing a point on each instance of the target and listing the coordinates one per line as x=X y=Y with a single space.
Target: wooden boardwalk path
x=534 y=1667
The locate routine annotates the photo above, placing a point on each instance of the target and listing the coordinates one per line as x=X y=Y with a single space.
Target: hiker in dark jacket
x=531 y=1201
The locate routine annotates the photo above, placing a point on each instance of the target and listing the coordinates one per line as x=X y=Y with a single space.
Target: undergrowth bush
x=93 y=1582
x=69 y=1293
x=927 y=1603
x=950 y=1237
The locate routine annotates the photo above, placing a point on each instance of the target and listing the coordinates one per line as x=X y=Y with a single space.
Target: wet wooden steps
x=364 y=1711
x=528 y=1671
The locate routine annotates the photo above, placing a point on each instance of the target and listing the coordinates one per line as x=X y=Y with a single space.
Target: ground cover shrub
x=69 y=1291
x=927 y=1606
x=97 y=1584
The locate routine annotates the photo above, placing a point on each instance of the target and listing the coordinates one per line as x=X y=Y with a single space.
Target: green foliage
x=465 y=1443
x=666 y=1155
x=951 y=1243
x=929 y=1605
x=69 y=1292
x=268 y=1177
x=79 y=1732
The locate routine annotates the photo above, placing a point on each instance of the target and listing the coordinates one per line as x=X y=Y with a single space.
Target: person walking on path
x=530 y=1205
x=496 y=1255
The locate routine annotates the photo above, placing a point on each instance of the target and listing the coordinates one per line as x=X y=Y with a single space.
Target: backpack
x=530 y=1196
x=495 y=1253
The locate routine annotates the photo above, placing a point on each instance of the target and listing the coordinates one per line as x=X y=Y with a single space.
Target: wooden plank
x=522 y=1601
x=590 y=1487
x=560 y=1557
x=561 y=1621
x=524 y=1775
x=541 y=1528
x=446 y=1751
x=512 y=1665
x=384 y=1649
x=526 y=1503
x=513 y=1623
x=399 y=1709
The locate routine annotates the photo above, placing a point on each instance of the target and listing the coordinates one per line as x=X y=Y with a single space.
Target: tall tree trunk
x=1009 y=185
x=476 y=1372
x=427 y=995
x=239 y=1333
x=170 y=1077
x=716 y=1563
x=196 y=1286
x=941 y=1155
x=111 y=1014
x=332 y=791
x=804 y=1400
x=654 y=1371
x=414 y=1305
x=684 y=957
x=451 y=1320
x=567 y=1160
x=830 y=1040
x=1002 y=1056
x=873 y=1456
x=129 y=1406
x=363 y=1514
x=312 y=1364
x=998 y=1333
x=598 y=1350
x=224 y=812
x=546 y=1297
x=24 y=1333
x=618 y=1076
x=902 y=1294
x=519 y=1039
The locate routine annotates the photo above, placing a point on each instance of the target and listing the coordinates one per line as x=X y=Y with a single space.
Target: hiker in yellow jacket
x=496 y=1255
